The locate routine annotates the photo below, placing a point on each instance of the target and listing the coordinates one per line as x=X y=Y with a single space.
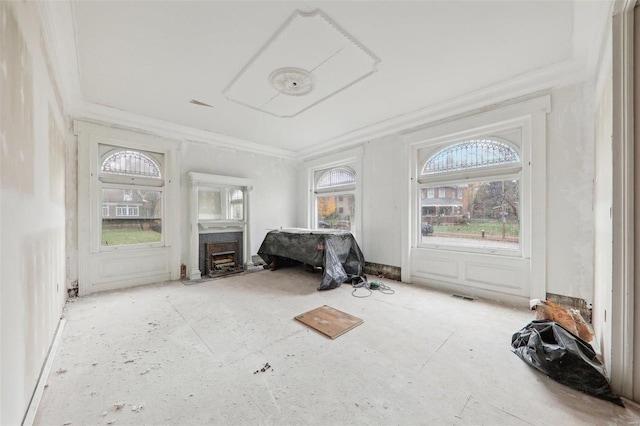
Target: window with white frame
x=133 y=182
x=335 y=198
x=477 y=203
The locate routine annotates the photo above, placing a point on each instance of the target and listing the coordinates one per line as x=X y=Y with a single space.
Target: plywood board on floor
x=329 y=321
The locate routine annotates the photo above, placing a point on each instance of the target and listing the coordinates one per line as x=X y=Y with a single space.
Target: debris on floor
x=571 y=319
x=553 y=350
x=263 y=369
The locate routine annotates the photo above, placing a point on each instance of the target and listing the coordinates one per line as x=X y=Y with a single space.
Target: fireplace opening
x=221 y=258
x=224 y=261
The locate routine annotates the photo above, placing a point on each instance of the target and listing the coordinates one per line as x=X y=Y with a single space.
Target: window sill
x=472 y=250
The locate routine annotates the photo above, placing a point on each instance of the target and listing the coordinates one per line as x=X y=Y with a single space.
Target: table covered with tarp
x=336 y=251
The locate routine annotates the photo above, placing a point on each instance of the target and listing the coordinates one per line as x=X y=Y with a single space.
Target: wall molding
x=60 y=37
x=510 y=91
x=113 y=117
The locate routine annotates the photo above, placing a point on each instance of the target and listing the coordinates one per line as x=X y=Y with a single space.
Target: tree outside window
x=335 y=198
x=482 y=211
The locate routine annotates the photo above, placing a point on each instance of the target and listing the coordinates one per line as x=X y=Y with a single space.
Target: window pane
x=131 y=216
x=470 y=155
x=478 y=214
x=131 y=163
x=337 y=212
x=339 y=176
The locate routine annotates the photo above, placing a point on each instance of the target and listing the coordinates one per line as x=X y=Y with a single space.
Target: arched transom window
x=131 y=163
x=470 y=154
x=337 y=177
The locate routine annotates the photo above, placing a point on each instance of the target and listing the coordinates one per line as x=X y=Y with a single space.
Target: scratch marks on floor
x=463 y=408
x=471 y=407
x=437 y=350
x=190 y=326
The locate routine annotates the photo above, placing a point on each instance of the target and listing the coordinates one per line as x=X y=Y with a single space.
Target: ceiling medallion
x=292 y=81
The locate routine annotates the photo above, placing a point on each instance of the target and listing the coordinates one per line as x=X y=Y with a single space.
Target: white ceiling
x=143 y=62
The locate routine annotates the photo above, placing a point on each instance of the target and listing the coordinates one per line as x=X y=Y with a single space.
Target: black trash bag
x=567 y=359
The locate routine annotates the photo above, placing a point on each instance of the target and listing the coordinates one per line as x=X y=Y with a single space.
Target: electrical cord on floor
x=369 y=286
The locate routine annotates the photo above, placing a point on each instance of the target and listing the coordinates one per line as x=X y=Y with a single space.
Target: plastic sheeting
x=337 y=252
x=553 y=350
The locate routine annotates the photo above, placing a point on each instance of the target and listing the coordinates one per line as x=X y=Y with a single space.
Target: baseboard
x=387 y=271
x=30 y=415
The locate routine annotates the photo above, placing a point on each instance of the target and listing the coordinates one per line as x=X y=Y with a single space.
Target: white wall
x=382 y=208
x=603 y=230
x=275 y=185
x=570 y=218
x=33 y=132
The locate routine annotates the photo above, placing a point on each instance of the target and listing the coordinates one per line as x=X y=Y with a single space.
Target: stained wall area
x=33 y=131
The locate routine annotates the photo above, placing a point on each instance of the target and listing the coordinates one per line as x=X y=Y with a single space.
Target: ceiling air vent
x=195 y=102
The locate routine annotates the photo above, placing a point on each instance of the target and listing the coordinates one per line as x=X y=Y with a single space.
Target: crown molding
x=59 y=34
x=86 y=111
x=591 y=30
x=60 y=38
x=557 y=75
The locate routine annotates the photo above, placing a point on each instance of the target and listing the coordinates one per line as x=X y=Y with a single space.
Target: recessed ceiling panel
x=308 y=60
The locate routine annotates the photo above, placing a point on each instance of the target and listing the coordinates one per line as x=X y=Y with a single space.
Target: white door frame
x=623 y=321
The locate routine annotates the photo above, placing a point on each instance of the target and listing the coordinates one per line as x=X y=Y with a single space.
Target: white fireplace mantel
x=198 y=225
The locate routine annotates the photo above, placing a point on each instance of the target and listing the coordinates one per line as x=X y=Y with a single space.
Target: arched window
x=470 y=154
x=335 y=178
x=131 y=187
x=469 y=195
x=335 y=198
x=131 y=163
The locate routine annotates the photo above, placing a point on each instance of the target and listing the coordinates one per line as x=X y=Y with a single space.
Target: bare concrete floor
x=187 y=355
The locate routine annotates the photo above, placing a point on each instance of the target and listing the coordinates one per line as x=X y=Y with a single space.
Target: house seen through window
x=131 y=188
x=335 y=198
x=469 y=196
